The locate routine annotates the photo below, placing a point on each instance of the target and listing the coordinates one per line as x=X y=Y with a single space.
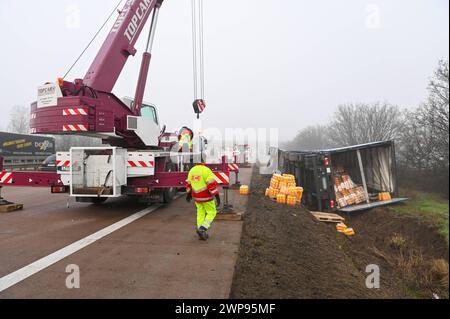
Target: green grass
x=428 y=206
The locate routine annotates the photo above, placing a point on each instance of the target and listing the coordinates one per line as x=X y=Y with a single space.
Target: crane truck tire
x=169 y=193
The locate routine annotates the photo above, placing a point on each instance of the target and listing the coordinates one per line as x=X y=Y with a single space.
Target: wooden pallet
x=229 y=216
x=7 y=208
x=328 y=217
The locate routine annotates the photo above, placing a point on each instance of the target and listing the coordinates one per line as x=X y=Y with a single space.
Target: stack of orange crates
x=284 y=190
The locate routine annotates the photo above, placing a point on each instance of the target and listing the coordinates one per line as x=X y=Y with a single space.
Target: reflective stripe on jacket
x=202 y=183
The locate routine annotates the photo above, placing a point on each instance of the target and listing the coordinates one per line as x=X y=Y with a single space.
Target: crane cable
x=202 y=58
x=93 y=39
x=198 y=49
x=194 y=46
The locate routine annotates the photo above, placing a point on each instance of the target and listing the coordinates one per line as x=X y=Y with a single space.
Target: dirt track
x=285 y=253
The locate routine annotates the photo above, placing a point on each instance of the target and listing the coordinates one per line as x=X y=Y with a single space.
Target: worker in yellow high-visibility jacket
x=185 y=143
x=201 y=186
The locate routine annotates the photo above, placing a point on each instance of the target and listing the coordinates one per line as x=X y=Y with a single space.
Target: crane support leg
x=145 y=65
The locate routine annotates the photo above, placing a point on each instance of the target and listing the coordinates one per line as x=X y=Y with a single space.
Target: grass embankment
x=428 y=206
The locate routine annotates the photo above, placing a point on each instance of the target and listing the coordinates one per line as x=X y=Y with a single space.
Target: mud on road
x=285 y=253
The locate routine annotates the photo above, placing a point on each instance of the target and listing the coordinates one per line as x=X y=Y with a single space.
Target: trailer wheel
x=169 y=194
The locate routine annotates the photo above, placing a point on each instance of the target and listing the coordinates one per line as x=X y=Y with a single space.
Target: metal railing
x=21 y=166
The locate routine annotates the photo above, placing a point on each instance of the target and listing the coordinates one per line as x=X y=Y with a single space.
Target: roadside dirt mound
x=285 y=253
x=406 y=248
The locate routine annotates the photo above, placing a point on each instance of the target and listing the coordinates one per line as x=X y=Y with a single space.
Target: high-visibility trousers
x=206 y=212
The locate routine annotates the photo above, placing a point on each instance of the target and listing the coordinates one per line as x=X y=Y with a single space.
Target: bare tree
x=434 y=113
x=364 y=123
x=310 y=139
x=19 y=121
x=417 y=148
x=424 y=148
x=425 y=136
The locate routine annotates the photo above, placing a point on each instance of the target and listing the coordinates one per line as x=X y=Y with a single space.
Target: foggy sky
x=284 y=64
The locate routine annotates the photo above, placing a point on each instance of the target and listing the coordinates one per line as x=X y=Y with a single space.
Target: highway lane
x=156 y=256
x=46 y=224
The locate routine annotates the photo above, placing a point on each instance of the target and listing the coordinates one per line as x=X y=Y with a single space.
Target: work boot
x=202 y=233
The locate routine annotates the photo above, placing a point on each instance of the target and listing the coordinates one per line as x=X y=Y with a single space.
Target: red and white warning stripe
x=6 y=178
x=222 y=178
x=62 y=163
x=33 y=130
x=33 y=116
x=201 y=105
x=233 y=167
x=75 y=128
x=148 y=164
x=75 y=111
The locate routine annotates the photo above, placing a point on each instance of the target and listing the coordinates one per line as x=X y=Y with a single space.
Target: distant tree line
x=421 y=135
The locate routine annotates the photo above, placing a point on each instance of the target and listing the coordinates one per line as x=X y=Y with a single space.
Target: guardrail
x=21 y=166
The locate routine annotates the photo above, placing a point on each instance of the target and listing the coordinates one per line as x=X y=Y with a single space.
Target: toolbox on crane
x=98 y=171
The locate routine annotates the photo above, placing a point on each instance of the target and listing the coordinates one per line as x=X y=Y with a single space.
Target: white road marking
x=35 y=267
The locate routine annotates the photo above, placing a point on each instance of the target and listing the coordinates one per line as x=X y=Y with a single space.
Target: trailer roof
x=345 y=148
x=358 y=147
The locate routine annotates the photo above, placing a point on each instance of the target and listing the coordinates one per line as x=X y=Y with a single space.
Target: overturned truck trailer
x=348 y=179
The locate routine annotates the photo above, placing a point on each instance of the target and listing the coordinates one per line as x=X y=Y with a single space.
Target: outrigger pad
x=7 y=207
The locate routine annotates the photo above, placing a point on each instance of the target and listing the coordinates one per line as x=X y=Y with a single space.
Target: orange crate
x=281 y=199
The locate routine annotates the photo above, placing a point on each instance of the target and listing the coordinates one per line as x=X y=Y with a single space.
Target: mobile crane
x=134 y=160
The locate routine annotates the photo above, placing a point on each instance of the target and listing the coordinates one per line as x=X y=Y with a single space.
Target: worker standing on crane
x=185 y=140
x=201 y=186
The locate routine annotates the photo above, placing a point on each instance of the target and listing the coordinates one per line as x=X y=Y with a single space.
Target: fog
x=269 y=64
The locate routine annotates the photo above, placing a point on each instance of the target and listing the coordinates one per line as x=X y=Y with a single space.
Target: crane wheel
x=169 y=193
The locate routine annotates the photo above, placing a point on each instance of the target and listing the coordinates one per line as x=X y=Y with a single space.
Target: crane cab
x=148 y=110
x=146 y=126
